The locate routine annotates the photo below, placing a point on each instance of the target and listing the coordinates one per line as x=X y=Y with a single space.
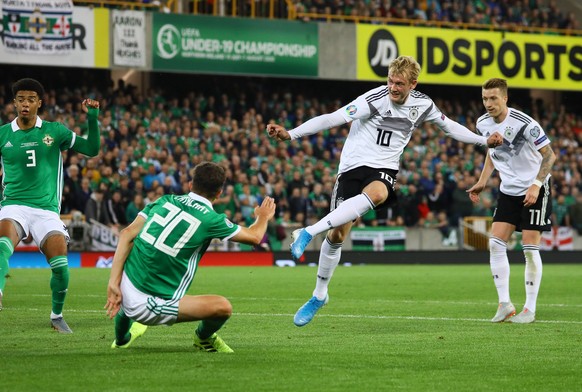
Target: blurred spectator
x=134 y=207
x=575 y=213
x=461 y=206
x=560 y=213
x=409 y=203
x=116 y=209
x=96 y=208
x=83 y=194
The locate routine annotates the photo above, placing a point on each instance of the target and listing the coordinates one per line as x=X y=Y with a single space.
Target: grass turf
x=414 y=328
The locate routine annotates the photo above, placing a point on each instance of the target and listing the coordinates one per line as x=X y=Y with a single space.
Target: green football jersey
x=177 y=232
x=33 y=165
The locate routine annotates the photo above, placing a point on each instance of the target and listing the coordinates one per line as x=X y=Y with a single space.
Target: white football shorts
x=145 y=308
x=35 y=221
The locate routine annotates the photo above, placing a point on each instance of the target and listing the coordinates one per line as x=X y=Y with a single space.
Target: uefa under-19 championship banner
x=37 y=26
x=468 y=57
x=189 y=43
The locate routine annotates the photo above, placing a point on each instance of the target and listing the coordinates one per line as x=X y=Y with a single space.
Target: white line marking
x=339 y=316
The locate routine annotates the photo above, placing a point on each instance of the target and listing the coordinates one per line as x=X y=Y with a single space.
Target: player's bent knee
x=336 y=236
x=496 y=245
x=223 y=308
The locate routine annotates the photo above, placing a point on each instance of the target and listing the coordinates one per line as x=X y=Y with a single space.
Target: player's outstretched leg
x=306 y=313
x=301 y=238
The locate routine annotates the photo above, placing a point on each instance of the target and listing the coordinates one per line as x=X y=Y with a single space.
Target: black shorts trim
x=353 y=182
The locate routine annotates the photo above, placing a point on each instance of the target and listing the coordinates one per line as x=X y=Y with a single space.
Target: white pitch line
x=339 y=316
x=360 y=316
x=377 y=300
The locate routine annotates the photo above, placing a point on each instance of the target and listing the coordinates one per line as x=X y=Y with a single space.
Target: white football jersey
x=381 y=129
x=517 y=160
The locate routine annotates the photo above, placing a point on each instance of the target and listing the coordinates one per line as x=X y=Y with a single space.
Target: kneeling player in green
x=157 y=256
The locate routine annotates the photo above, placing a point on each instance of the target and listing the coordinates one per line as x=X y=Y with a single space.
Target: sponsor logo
x=8 y=144
x=382 y=49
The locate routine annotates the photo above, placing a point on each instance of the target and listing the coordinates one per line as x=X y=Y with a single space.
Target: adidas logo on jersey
x=8 y=144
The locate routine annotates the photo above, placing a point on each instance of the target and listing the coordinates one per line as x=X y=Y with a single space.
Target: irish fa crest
x=48 y=140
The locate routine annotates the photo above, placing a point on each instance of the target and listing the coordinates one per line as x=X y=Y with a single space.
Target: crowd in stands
x=150 y=140
x=510 y=14
x=499 y=13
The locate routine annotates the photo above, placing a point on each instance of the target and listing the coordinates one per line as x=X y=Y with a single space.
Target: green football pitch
x=386 y=328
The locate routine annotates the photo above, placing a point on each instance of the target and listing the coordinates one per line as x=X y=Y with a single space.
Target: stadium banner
x=37 y=27
x=378 y=238
x=469 y=57
x=237 y=259
x=103 y=238
x=188 y=43
x=97 y=259
x=89 y=31
x=129 y=38
x=38 y=260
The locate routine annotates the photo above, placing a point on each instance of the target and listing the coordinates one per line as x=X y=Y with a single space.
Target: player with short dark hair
x=524 y=162
x=382 y=122
x=31 y=152
x=157 y=257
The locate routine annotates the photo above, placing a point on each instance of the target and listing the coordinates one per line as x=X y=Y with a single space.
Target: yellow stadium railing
x=475 y=232
x=127 y=4
x=270 y=9
x=287 y=9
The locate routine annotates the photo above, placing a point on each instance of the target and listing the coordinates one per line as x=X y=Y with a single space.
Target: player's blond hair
x=499 y=83
x=405 y=66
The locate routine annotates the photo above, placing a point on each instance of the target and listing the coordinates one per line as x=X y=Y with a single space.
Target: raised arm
x=91 y=145
x=310 y=127
x=463 y=134
x=253 y=234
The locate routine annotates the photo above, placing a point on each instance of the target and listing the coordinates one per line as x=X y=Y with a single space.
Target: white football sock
x=533 y=275
x=499 y=267
x=329 y=257
x=347 y=211
x=55 y=316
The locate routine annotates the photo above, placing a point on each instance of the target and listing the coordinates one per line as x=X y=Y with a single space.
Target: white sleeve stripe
x=73 y=139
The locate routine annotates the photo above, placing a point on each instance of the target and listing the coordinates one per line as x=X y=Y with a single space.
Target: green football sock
x=207 y=327
x=59 y=282
x=122 y=325
x=6 y=250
